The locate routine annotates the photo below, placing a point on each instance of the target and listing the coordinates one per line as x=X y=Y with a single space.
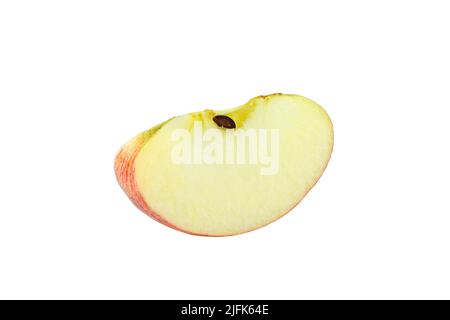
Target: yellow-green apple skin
x=225 y=199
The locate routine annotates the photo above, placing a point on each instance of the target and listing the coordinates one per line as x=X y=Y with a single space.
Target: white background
x=79 y=78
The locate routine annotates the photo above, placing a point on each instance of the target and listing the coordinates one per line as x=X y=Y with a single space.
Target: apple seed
x=224 y=122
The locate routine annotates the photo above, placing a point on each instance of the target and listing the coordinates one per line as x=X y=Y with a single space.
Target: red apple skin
x=124 y=167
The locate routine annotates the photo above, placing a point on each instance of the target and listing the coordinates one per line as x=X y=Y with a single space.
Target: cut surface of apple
x=230 y=192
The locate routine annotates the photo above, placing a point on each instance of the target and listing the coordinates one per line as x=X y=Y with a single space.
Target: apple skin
x=124 y=167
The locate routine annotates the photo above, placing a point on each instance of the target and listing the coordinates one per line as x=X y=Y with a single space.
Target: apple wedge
x=236 y=170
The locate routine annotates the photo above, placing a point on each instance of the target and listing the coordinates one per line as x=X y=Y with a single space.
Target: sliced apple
x=222 y=199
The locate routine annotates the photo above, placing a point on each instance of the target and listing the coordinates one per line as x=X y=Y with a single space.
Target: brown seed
x=224 y=122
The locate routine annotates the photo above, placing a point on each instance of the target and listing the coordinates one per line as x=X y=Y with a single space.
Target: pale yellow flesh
x=222 y=199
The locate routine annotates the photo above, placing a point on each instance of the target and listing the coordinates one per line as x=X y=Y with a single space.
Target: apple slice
x=205 y=190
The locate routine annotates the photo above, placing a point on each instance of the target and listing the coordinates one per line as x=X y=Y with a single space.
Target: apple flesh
x=224 y=199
